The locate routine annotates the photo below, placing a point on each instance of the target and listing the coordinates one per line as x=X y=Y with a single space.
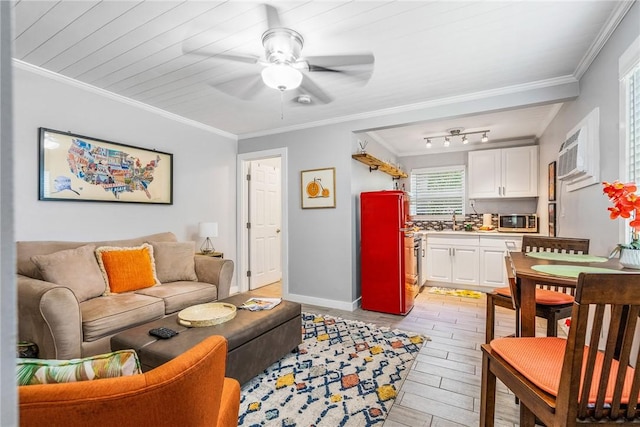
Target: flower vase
x=630 y=258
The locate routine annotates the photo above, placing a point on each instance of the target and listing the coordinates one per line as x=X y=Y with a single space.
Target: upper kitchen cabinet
x=505 y=172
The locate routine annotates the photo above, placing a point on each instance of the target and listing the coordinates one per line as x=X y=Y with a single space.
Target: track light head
x=447 y=141
x=485 y=138
x=465 y=140
x=428 y=143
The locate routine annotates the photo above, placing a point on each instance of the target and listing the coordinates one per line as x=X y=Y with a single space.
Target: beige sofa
x=70 y=321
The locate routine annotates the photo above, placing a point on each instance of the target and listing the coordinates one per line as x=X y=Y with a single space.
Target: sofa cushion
x=179 y=295
x=113 y=313
x=26 y=249
x=50 y=371
x=77 y=269
x=175 y=261
x=127 y=269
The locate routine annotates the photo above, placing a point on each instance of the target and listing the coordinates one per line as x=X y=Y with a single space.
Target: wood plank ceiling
x=423 y=51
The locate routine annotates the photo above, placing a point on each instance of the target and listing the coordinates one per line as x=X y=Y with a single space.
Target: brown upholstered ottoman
x=256 y=338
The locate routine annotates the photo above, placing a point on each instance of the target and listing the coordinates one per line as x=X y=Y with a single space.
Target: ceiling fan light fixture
x=281 y=77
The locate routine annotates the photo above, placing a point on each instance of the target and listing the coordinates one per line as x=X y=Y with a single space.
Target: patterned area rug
x=455 y=292
x=345 y=373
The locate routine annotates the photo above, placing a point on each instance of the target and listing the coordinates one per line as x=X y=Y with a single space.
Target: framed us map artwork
x=80 y=168
x=318 y=188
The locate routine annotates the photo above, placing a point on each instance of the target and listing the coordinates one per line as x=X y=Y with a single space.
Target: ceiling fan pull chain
x=281 y=105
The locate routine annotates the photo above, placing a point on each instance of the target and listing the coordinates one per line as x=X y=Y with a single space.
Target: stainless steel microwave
x=518 y=223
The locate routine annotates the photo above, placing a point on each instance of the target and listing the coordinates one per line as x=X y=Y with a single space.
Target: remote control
x=163 y=333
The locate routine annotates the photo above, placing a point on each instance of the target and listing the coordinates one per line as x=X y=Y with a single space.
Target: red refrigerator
x=388 y=264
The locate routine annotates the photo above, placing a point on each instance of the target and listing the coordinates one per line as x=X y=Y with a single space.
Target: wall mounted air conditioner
x=579 y=157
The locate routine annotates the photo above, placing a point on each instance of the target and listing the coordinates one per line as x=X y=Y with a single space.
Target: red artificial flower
x=625 y=201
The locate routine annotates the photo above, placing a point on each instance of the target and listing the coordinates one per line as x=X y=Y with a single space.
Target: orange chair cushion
x=543 y=296
x=540 y=361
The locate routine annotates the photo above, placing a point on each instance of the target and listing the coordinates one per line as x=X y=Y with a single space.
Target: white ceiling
x=423 y=51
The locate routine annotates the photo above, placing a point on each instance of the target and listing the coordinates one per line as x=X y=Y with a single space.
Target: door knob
x=277 y=230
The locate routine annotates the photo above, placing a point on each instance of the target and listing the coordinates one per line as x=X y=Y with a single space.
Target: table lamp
x=208 y=230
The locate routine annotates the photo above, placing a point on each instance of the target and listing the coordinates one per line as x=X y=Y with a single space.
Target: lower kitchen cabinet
x=468 y=259
x=492 y=252
x=453 y=260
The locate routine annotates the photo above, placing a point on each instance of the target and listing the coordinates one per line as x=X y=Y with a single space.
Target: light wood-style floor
x=443 y=386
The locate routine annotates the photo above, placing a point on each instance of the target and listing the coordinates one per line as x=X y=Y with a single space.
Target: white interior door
x=264 y=216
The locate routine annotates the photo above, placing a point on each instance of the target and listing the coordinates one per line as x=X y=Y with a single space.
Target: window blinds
x=438 y=191
x=634 y=125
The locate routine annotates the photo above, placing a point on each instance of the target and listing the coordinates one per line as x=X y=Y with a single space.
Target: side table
x=212 y=254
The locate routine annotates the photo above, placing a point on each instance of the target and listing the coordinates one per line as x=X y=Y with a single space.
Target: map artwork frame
x=80 y=168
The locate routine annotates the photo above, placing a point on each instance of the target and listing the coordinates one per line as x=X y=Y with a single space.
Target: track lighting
x=458 y=132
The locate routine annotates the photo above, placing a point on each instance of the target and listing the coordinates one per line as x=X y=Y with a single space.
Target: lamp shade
x=208 y=229
x=281 y=77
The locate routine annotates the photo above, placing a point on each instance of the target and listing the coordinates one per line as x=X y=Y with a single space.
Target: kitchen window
x=629 y=75
x=633 y=125
x=438 y=192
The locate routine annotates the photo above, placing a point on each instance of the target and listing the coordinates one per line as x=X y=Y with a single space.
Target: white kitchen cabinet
x=492 y=252
x=505 y=172
x=452 y=259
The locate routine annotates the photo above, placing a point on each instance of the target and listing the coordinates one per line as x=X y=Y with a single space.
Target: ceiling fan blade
x=245 y=87
x=273 y=17
x=309 y=87
x=245 y=58
x=338 y=61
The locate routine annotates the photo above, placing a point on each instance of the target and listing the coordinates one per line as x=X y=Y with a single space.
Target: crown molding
x=507 y=90
x=616 y=16
x=132 y=102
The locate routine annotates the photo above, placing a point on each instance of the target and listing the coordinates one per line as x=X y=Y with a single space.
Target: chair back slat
x=633 y=394
x=513 y=284
x=605 y=372
x=614 y=327
x=631 y=320
x=591 y=358
x=555 y=244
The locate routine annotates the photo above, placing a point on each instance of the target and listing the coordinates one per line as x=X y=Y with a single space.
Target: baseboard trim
x=322 y=302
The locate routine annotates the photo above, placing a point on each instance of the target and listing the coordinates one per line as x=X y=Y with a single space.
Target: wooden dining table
x=528 y=278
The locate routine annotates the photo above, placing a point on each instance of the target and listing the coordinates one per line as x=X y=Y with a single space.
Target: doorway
x=262 y=229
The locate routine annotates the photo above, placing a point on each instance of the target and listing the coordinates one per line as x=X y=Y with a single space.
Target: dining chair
x=587 y=379
x=552 y=303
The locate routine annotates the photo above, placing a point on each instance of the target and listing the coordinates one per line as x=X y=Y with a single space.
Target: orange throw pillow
x=127 y=269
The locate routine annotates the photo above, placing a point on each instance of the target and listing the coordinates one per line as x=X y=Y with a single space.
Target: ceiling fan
x=285 y=69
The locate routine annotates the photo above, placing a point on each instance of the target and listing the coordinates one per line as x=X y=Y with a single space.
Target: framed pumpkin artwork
x=318 y=188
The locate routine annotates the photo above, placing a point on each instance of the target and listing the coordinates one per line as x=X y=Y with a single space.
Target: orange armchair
x=190 y=390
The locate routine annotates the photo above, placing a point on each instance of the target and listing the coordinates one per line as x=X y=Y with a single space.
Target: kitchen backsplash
x=474 y=219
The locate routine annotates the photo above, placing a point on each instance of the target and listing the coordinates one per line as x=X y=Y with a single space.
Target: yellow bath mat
x=456 y=292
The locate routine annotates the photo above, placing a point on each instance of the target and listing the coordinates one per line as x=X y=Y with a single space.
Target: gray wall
x=320 y=240
x=204 y=167
x=8 y=306
x=583 y=213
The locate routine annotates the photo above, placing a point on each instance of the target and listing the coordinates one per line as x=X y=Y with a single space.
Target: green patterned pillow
x=108 y=365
